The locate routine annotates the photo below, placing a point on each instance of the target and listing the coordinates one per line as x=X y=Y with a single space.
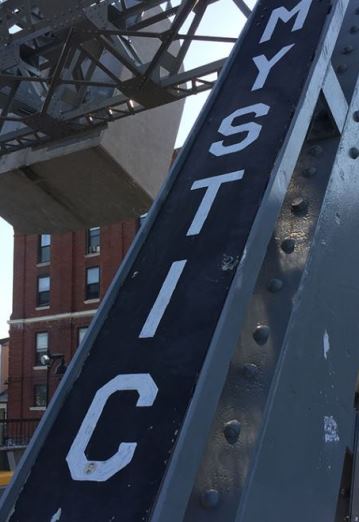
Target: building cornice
x=54 y=317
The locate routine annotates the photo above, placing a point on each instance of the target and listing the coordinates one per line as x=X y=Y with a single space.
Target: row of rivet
x=354 y=151
x=210 y=498
x=298 y=207
x=343 y=67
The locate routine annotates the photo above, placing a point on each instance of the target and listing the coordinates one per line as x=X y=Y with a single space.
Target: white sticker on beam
x=158 y=309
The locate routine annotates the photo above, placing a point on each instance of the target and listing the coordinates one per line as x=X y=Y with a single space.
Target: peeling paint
x=330 y=429
x=229 y=262
x=56 y=516
x=326 y=345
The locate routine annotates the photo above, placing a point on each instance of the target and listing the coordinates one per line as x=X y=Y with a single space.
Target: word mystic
x=80 y=467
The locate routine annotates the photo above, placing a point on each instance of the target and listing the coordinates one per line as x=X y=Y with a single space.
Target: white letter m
x=281 y=13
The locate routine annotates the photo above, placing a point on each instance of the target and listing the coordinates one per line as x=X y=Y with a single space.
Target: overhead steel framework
x=69 y=66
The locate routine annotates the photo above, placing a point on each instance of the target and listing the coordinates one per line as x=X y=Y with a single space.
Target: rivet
x=348 y=49
x=250 y=370
x=354 y=152
x=309 y=172
x=316 y=151
x=288 y=246
x=261 y=334
x=299 y=205
x=354 y=29
x=275 y=285
x=356 y=116
x=210 y=498
x=232 y=430
x=342 y=68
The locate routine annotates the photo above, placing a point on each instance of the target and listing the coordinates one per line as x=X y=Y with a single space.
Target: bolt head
x=232 y=430
x=356 y=116
x=348 y=49
x=342 y=68
x=316 y=151
x=261 y=334
x=275 y=285
x=250 y=370
x=309 y=172
x=210 y=498
x=354 y=29
x=299 y=205
x=354 y=152
x=288 y=246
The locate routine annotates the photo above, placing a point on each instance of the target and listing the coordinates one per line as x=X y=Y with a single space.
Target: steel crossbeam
x=67 y=67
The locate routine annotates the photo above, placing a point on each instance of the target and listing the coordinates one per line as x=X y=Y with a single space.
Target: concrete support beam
x=95 y=180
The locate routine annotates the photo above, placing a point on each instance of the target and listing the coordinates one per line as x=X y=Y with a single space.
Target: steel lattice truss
x=70 y=65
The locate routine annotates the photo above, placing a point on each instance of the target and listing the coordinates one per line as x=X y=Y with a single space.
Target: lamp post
x=48 y=360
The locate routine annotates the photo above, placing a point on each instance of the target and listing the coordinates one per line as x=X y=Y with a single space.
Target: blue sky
x=223 y=19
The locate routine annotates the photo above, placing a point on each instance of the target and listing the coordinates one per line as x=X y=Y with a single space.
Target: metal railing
x=16 y=432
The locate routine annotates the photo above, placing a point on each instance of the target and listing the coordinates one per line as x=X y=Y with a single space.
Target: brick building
x=4 y=376
x=59 y=281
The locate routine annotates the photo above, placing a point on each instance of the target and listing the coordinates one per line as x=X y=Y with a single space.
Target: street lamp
x=48 y=359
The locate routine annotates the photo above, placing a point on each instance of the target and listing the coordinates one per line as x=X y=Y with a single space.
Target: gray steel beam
x=310 y=416
x=191 y=444
x=281 y=443
x=236 y=427
x=175 y=345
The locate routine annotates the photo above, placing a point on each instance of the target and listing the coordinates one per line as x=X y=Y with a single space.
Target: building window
x=93 y=240
x=43 y=291
x=93 y=282
x=44 y=248
x=40 y=395
x=81 y=333
x=42 y=346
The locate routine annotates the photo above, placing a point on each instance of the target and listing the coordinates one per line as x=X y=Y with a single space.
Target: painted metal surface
x=227 y=462
x=176 y=490
x=173 y=349
x=310 y=415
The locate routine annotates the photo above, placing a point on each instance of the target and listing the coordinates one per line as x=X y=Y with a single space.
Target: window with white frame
x=44 y=248
x=93 y=240
x=43 y=290
x=41 y=346
x=93 y=282
x=40 y=395
x=81 y=333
